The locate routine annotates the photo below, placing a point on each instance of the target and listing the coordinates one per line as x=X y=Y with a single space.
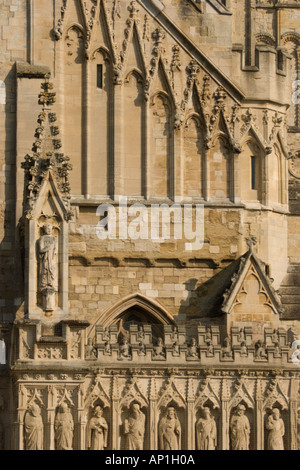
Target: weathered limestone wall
x=13 y=47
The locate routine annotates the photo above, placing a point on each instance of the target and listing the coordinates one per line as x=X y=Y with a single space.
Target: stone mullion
x=205 y=178
x=259 y=416
x=225 y=398
x=86 y=106
x=118 y=141
x=190 y=416
x=250 y=33
x=177 y=174
x=236 y=172
x=293 y=414
x=152 y=425
x=49 y=443
x=259 y=419
x=152 y=415
x=146 y=141
x=114 y=417
x=190 y=427
x=82 y=423
x=81 y=419
x=266 y=185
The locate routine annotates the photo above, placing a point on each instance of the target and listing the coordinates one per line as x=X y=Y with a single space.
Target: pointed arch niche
x=134 y=309
x=220 y=168
x=252 y=162
x=101 y=117
x=161 y=145
x=134 y=134
x=74 y=65
x=193 y=141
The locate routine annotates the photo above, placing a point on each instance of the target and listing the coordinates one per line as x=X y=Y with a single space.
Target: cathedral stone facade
x=149 y=224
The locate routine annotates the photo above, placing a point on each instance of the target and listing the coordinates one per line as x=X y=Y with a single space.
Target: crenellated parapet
x=150 y=344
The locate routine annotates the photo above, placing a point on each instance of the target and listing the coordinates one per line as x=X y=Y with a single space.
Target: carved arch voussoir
x=137 y=73
x=103 y=51
x=75 y=27
x=291 y=36
x=113 y=313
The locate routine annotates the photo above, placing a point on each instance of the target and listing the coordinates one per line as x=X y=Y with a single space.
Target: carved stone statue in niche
x=276 y=428
x=244 y=349
x=90 y=350
x=142 y=349
x=97 y=430
x=124 y=349
x=34 y=428
x=169 y=431
x=227 y=349
x=48 y=249
x=260 y=350
x=176 y=349
x=206 y=431
x=241 y=337
x=64 y=428
x=159 y=350
x=141 y=334
x=192 y=349
x=239 y=429
x=134 y=428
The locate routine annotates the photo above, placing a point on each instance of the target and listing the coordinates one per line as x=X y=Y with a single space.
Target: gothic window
x=219 y=169
x=73 y=102
x=193 y=165
x=251 y=172
x=134 y=134
x=100 y=135
x=161 y=150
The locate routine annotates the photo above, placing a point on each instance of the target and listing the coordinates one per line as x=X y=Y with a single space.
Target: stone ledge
x=25 y=70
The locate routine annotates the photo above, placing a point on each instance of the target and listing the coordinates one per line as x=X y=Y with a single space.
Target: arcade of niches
x=125 y=341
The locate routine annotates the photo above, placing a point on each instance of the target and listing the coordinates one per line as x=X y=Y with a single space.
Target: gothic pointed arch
x=146 y=311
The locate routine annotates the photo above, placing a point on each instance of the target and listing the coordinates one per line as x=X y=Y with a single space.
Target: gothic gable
x=251 y=296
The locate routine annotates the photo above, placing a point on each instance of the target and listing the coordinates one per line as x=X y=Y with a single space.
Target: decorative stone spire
x=46 y=155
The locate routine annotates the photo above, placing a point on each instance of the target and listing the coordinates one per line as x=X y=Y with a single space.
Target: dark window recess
x=253 y=173
x=99 y=76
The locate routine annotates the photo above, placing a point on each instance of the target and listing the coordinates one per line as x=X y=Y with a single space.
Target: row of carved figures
x=133 y=429
x=141 y=340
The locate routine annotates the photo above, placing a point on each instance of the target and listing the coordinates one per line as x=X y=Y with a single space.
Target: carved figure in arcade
x=244 y=349
x=260 y=350
x=142 y=349
x=90 y=350
x=97 y=430
x=134 y=428
x=241 y=337
x=64 y=428
x=176 y=349
x=124 y=349
x=206 y=431
x=276 y=428
x=34 y=428
x=192 y=349
x=48 y=282
x=240 y=429
x=169 y=431
x=141 y=334
x=227 y=349
x=159 y=350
